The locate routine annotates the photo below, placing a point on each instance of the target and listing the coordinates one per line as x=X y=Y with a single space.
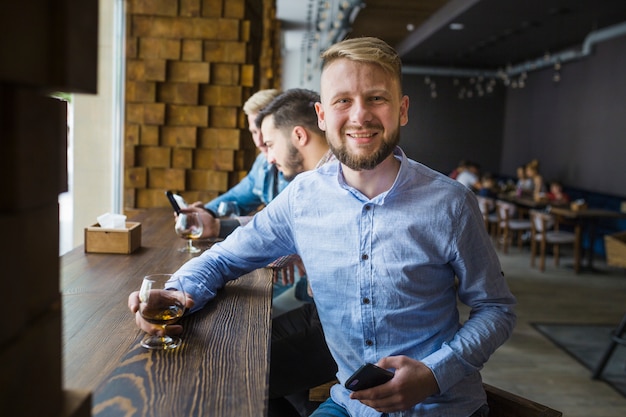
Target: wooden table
x=585 y=219
x=524 y=203
x=221 y=368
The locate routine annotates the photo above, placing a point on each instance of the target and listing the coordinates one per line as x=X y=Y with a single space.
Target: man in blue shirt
x=389 y=244
x=263 y=181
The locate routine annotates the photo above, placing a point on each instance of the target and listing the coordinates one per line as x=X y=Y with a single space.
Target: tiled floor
x=532 y=366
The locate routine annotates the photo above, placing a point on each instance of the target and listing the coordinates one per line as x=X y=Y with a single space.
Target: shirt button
x=366 y=300
x=369 y=342
x=367 y=207
x=364 y=257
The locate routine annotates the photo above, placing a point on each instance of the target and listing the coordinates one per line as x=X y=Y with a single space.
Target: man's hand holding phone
x=412 y=382
x=368 y=376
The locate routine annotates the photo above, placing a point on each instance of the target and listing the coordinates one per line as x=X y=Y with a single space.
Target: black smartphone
x=368 y=376
x=175 y=200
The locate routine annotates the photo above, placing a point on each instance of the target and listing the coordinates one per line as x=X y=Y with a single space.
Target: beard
x=364 y=162
x=294 y=164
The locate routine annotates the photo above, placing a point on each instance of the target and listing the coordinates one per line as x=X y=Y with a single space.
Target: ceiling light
x=456 y=26
x=410 y=27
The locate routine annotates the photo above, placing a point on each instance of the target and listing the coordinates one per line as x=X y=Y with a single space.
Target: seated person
x=387 y=283
x=470 y=176
x=532 y=173
x=299 y=359
x=263 y=181
x=459 y=168
x=488 y=186
x=555 y=194
x=524 y=184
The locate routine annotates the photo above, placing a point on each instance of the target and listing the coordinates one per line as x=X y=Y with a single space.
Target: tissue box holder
x=99 y=240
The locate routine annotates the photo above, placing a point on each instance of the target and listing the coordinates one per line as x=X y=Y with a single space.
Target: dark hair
x=294 y=107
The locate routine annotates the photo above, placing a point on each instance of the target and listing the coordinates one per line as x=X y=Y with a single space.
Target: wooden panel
x=225 y=74
x=235 y=9
x=224 y=51
x=214 y=159
x=200 y=179
x=34 y=134
x=153 y=156
x=154 y=69
x=154 y=113
x=166 y=178
x=198 y=59
x=154 y=7
x=220 y=138
x=192 y=50
x=227 y=52
x=247 y=75
x=132 y=47
x=178 y=93
x=129 y=156
x=131 y=134
x=190 y=8
x=212 y=8
x=135 y=69
x=36 y=348
x=181 y=28
x=178 y=115
x=149 y=197
x=159 y=48
x=35 y=59
x=134 y=113
x=224 y=117
x=135 y=177
x=183 y=136
x=140 y=91
x=216 y=95
x=149 y=135
x=191 y=72
x=182 y=158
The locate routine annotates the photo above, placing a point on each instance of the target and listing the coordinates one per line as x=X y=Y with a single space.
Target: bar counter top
x=221 y=368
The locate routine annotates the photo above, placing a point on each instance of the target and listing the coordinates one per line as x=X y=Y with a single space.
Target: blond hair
x=258 y=100
x=368 y=50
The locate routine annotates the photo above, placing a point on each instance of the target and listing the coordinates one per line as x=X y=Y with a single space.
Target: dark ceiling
x=496 y=33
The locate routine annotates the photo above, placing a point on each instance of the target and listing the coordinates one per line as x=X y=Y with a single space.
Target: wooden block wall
x=191 y=65
x=33 y=171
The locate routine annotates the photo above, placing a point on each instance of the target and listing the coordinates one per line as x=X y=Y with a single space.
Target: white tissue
x=112 y=221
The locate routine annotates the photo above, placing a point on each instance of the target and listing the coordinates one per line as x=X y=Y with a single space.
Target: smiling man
x=390 y=247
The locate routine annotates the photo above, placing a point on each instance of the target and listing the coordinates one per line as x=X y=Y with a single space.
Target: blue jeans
x=331 y=409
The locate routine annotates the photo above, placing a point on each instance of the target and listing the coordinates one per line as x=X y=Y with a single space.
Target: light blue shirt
x=260 y=186
x=384 y=275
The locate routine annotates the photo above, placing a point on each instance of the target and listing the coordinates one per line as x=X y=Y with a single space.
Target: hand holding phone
x=176 y=201
x=368 y=376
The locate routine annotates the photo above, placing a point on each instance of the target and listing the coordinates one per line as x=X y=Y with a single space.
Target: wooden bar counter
x=221 y=368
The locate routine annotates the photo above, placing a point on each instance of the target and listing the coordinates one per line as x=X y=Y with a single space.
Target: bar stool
x=618 y=337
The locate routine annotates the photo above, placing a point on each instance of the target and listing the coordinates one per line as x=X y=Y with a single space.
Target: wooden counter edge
x=76 y=403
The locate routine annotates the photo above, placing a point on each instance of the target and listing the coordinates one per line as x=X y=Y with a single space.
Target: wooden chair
x=501 y=403
x=545 y=231
x=510 y=223
x=506 y=404
x=487 y=208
